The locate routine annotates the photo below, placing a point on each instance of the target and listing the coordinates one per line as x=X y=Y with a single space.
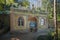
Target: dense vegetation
x=46 y=5
x=5 y=4
x=50 y=8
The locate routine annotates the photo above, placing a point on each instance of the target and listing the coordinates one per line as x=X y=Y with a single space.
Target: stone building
x=26 y=20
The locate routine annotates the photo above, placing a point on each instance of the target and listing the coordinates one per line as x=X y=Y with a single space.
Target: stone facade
x=28 y=16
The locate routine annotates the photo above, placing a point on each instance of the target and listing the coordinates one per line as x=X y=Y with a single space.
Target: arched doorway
x=32 y=24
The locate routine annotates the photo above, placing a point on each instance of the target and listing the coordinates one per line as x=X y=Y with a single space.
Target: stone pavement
x=5 y=36
x=24 y=35
x=29 y=35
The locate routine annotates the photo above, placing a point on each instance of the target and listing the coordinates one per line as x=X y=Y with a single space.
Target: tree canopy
x=6 y=3
x=24 y=3
x=9 y=2
x=48 y=6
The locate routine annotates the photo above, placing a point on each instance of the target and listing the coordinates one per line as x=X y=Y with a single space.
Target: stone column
x=11 y=20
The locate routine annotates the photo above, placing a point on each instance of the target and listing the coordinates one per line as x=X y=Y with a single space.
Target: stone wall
x=14 y=15
x=14 y=22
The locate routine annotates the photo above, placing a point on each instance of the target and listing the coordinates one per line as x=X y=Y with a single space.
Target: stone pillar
x=24 y=22
x=11 y=20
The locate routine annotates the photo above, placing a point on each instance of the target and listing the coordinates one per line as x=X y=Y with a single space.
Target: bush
x=42 y=38
x=45 y=37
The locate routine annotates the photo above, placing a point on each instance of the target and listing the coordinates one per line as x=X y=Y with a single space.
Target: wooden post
x=55 y=19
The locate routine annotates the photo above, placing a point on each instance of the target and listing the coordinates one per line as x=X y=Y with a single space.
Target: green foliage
x=6 y=3
x=2 y=1
x=48 y=5
x=9 y=2
x=1 y=4
x=58 y=8
x=24 y=3
x=45 y=37
x=44 y=4
x=51 y=10
x=1 y=7
x=58 y=17
x=58 y=11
